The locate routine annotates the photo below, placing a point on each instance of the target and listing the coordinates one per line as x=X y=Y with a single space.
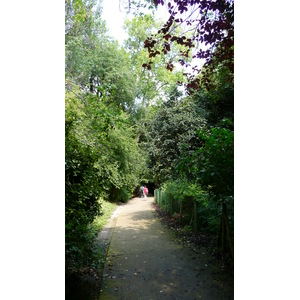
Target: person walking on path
x=145 y=191
x=142 y=191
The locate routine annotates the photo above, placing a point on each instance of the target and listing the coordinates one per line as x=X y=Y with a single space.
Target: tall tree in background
x=101 y=140
x=206 y=30
x=170 y=132
x=155 y=83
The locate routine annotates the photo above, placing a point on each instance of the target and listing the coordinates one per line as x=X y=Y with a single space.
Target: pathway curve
x=145 y=262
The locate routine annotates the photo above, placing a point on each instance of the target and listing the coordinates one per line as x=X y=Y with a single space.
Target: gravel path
x=145 y=262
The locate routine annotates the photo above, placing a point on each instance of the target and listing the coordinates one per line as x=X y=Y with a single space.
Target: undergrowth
x=83 y=276
x=106 y=208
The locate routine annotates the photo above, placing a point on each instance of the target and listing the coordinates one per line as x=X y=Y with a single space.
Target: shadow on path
x=145 y=262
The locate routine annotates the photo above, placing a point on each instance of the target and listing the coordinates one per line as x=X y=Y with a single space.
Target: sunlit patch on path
x=145 y=262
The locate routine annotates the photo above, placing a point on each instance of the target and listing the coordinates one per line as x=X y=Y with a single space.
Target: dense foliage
x=192 y=156
x=102 y=158
x=127 y=120
x=204 y=30
x=170 y=132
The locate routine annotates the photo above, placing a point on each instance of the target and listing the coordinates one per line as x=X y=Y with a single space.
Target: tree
x=171 y=132
x=101 y=141
x=211 y=163
x=153 y=84
x=206 y=32
x=218 y=102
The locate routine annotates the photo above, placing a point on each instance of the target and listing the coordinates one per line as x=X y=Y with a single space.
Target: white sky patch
x=114 y=14
x=114 y=19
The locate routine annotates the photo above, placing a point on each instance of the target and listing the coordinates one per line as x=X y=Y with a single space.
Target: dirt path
x=145 y=262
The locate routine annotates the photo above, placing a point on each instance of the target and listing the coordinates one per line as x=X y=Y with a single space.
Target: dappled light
x=145 y=261
x=144 y=118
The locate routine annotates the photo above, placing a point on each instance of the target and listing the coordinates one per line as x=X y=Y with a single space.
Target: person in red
x=145 y=191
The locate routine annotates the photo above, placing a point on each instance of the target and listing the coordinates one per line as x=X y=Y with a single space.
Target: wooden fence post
x=220 y=231
x=195 y=217
x=223 y=234
x=159 y=197
x=225 y=230
x=180 y=213
x=226 y=223
x=165 y=201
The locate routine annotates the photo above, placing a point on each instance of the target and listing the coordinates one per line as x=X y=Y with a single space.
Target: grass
x=82 y=281
x=107 y=208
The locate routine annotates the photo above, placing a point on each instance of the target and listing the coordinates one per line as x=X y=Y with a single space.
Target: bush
x=209 y=206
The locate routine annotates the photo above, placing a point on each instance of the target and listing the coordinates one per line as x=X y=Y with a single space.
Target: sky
x=115 y=17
